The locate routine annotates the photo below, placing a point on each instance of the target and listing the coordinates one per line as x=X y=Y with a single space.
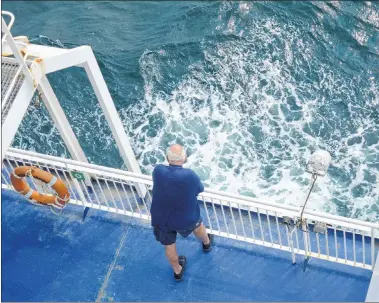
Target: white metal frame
x=5 y=28
x=60 y=120
x=348 y=241
x=18 y=109
x=373 y=290
x=51 y=59
x=84 y=57
x=26 y=92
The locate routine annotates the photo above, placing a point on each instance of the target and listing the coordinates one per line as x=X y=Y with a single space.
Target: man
x=175 y=208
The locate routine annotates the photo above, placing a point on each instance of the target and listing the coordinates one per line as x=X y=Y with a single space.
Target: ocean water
x=250 y=88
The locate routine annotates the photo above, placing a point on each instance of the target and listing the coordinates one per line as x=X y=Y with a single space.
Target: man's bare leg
x=173 y=258
x=201 y=233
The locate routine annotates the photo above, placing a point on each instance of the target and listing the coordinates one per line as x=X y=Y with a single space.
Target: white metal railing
x=9 y=25
x=20 y=56
x=346 y=241
x=15 y=79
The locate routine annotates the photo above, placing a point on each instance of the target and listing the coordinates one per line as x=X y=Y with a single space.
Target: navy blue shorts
x=167 y=236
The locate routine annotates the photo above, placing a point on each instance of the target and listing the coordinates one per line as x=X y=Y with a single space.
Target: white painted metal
x=9 y=25
x=16 y=53
x=291 y=244
x=51 y=59
x=20 y=101
x=17 y=78
x=145 y=179
x=11 y=82
x=44 y=52
x=305 y=239
x=373 y=289
x=214 y=211
x=101 y=90
x=221 y=212
x=55 y=59
x=9 y=70
x=327 y=246
x=15 y=115
x=60 y=121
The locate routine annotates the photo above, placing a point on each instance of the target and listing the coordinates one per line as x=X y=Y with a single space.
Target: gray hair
x=172 y=156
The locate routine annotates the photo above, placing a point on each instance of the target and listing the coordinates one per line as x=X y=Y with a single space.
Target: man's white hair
x=172 y=156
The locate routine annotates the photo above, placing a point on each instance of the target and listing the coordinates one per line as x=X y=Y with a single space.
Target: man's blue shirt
x=175 y=191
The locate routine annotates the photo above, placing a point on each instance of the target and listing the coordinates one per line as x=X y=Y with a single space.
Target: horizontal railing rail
x=346 y=241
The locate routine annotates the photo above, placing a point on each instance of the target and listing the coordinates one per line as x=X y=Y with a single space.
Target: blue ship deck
x=110 y=257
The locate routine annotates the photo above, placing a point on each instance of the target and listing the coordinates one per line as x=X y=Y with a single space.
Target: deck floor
x=110 y=257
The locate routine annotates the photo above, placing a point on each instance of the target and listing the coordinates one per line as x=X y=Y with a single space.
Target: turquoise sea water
x=250 y=88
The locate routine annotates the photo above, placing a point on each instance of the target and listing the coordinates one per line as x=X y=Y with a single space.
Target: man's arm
x=155 y=175
x=199 y=185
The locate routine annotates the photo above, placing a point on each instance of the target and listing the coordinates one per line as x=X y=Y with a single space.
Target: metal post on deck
x=372 y=248
x=306 y=248
x=291 y=245
x=373 y=290
x=15 y=116
x=12 y=45
x=101 y=90
x=16 y=113
x=60 y=120
x=63 y=125
x=317 y=166
x=64 y=128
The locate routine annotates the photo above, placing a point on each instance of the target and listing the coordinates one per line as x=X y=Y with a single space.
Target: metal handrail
x=345 y=241
x=9 y=25
x=21 y=60
x=15 y=78
x=146 y=179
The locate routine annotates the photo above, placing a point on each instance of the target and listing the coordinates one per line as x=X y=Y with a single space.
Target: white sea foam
x=250 y=122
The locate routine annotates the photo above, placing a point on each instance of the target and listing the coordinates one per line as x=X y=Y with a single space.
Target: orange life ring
x=19 y=183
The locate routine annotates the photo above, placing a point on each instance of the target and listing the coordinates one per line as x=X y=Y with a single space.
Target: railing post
x=102 y=93
x=291 y=245
x=372 y=248
x=16 y=52
x=305 y=238
x=15 y=116
x=79 y=190
x=22 y=100
x=9 y=25
x=373 y=291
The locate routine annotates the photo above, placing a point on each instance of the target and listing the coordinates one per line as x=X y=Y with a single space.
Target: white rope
x=52 y=181
x=65 y=199
x=28 y=173
x=17 y=177
x=58 y=205
x=29 y=193
x=55 y=213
